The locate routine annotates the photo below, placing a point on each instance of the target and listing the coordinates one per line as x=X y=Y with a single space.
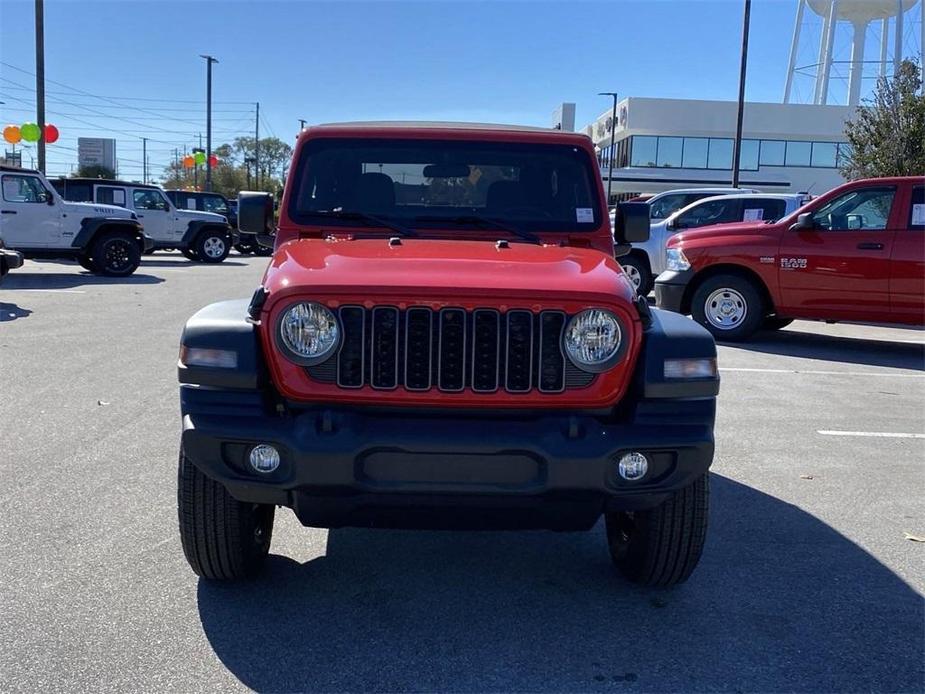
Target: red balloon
x=51 y=133
x=213 y=161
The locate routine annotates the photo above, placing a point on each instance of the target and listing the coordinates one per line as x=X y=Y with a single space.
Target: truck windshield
x=446 y=184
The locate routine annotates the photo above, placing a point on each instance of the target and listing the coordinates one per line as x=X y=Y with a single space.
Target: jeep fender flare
x=198 y=225
x=92 y=227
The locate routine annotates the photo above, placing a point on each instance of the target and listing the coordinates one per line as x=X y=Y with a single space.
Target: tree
x=887 y=136
x=95 y=171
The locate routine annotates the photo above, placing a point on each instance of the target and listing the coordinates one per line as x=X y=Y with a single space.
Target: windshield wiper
x=485 y=221
x=368 y=219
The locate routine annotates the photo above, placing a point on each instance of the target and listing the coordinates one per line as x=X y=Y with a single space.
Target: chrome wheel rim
x=725 y=309
x=634 y=275
x=213 y=247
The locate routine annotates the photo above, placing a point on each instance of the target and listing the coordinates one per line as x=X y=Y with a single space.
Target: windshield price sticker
x=918 y=214
x=584 y=215
x=753 y=215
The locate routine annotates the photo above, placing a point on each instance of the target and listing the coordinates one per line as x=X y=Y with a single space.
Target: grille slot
x=451 y=350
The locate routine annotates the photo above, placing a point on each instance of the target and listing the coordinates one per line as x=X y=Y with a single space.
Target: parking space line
x=813 y=372
x=53 y=291
x=875 y=434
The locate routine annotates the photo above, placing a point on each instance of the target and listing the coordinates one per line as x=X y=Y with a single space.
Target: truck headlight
x=308 y=333
x=677 y=262
x=593 y=339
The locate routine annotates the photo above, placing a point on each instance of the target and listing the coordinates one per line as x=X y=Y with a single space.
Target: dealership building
x=660 y=144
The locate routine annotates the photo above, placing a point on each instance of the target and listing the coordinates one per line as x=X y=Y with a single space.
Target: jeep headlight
x=677 y=262
x=308 y=333
x=593 y=340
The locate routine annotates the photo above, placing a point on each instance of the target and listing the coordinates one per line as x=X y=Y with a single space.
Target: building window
x=669 y=151
x=799 y=153
x=645 y=150
x=824 y=154
x=720 y=156
x=748 y=157
x=844 y=154
x=695 y=152
x=772 y=152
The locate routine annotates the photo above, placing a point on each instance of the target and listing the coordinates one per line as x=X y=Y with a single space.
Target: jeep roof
x=105 y=181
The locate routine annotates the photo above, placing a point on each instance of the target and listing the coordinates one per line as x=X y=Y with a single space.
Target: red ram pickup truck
x=443 y=339
x=856 y=253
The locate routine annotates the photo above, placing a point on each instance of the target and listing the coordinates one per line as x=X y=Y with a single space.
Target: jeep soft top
x=443 y=338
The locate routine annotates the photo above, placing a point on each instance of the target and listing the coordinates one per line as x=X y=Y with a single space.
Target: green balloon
x=30 y=132
x=200 y=157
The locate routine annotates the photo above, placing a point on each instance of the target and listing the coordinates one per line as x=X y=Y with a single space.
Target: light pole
x=40 y=78
x=209 y=60
x=301 y=124
x=613 y=134
x=144 y=160
x=737 y=148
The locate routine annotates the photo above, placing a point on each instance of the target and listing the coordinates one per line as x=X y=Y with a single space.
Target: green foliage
x=235 y=171
x=95 y=171
x=887 y=136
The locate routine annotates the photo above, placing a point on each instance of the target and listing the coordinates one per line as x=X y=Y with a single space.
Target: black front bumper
x=670 y=288
x=455 y=469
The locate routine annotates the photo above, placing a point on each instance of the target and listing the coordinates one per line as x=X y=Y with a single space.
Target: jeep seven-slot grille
x=451 y=350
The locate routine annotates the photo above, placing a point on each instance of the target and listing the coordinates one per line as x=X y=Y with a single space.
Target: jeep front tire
x=116 y=254
x=661 y=546
x=223 y=539
x=212 y=246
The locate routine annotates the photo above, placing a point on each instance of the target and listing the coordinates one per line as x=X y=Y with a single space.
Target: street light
x=613 y=133
x=209 y=60
x=743 y=66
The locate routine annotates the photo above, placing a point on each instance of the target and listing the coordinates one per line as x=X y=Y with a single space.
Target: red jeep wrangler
x=443 y=339
x=856 y=253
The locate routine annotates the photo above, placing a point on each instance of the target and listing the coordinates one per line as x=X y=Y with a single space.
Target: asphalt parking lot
x=808 y=582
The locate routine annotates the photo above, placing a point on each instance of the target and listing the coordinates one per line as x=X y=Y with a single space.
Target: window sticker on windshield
x=584 y=215
x=752 y=214
x=918 y=214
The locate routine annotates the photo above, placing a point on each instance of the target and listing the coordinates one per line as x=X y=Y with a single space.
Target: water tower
x=861 y=15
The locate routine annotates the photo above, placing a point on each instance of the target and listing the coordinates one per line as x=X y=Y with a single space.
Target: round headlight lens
x=592 y=339
x=309 y=331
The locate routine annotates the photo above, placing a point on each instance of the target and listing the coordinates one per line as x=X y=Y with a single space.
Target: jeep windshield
x=458 y=184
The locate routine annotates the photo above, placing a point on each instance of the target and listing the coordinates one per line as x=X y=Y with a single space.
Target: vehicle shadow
x=10 y=312
x=183 y=262
x=780 y=601
x=55 y=280
x=832 y=348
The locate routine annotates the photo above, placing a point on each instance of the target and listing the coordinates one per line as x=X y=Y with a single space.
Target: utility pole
x=257 y=148
x=209 y=60
x=40 y=78
x=613 y=133
x=144 y=160
x=301 y=124
x=737 y=149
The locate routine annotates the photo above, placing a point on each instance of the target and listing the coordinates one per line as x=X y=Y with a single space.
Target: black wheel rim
x=118 y=255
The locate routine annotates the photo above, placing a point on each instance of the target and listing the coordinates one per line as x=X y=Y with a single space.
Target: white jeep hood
x=203 y=216
x=92 y=209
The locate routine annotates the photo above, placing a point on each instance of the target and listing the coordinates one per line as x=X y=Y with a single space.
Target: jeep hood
x=93 y=209
x=444 y=269
x=203 y=216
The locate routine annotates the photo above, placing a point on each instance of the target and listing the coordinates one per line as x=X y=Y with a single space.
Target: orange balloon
x=189 y=161
x=11 y=134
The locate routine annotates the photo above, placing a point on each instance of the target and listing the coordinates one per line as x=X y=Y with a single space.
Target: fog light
x=633 y=466
x=264 y=458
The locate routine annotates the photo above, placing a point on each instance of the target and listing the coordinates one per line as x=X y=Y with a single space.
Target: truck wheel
x=223 y=539
x=638 y=271
x=775 y=323
x=116 y=254
x=661 y=546
x=729 y=306
x=212 y=247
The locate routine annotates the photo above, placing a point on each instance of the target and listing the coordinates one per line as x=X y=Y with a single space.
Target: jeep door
x=907 y=262
x=840 y=268
x=29 y=214
x=155 y=214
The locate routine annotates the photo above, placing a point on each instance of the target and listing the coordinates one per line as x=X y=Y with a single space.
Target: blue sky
x=464 y=60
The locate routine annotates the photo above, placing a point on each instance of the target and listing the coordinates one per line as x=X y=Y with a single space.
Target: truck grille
x=451 y=350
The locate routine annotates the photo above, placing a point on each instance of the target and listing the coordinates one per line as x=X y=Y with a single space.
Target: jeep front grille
x=451 y=350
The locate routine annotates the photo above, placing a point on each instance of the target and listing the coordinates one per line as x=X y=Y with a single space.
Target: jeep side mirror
x=804 y=222
x=255 y=216
x=631 y=222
